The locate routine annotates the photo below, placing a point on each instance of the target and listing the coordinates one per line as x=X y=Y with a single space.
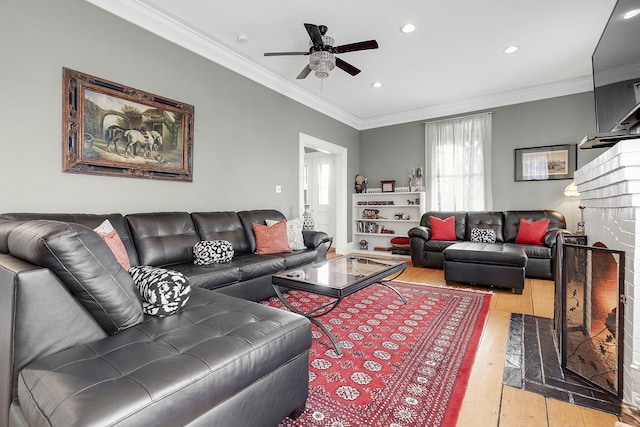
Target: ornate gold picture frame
x=112 y=129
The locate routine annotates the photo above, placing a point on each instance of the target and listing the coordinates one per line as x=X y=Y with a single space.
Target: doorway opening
x=329 y=163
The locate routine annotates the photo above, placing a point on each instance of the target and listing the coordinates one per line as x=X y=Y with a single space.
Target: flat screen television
x=616 y=71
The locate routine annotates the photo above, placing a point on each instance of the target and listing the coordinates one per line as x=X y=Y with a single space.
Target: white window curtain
x=458 y=155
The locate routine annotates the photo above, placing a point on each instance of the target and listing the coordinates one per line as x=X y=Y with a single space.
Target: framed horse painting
x=111 y=129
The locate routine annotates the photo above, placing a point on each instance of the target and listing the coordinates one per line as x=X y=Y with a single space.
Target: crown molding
x=176 y=31
x=533 y=93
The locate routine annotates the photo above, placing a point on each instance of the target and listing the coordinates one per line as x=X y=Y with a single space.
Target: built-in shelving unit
x=378 y=217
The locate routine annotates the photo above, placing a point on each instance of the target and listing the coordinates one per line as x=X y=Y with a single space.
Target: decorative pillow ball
x=271 y=240
x=163 y=291
x=112 y=239
x=483 y=235
x=294 y=233
x=532 y=233
x=212 y=252
x=400 y=241
x=443 y=229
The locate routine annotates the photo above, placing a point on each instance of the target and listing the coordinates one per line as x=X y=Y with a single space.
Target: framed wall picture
x=112 y=129
x=544 y=163
x=388 y=186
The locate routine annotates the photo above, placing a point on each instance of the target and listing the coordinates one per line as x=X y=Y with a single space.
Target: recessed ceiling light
x=376 y=84
x=243 y=38
x=511 y=49
x=631 y=14
x=407 y=28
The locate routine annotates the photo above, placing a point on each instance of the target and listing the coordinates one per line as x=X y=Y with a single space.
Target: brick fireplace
x=609 y=189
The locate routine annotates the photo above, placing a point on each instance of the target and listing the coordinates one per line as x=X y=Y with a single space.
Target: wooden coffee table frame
x=361 y=281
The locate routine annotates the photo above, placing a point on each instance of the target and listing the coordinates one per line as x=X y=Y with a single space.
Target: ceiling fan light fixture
x=322 y=62
x=407 y=28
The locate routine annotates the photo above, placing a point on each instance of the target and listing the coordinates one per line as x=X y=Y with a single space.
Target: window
x=324 y=175
x=458 y=155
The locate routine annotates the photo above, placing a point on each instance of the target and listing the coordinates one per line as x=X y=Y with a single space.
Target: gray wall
x=245 y=140
x=246 y=136
x=390 y=152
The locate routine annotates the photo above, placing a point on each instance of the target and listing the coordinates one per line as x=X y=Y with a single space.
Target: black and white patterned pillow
x=163 y=291
x=212 y=252
x=483 y=235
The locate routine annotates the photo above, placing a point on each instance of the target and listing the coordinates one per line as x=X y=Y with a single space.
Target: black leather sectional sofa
x=76 y=348
x=503 y=263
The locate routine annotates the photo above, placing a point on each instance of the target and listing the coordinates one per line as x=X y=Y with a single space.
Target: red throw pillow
x=273 y=239
x=443 y=229
x=532 y=233
x=112 y=239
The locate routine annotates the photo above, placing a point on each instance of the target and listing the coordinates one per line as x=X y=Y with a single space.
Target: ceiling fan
x=321 y=53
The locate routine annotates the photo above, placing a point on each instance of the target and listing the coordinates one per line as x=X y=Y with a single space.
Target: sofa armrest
x=550 y=237
x=313 y=239
x=420 y=232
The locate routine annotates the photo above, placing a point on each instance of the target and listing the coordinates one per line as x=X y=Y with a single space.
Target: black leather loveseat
x=477 y=262
x=76 y=348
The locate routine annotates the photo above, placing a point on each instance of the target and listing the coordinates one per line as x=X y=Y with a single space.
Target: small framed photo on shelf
x=388 y=186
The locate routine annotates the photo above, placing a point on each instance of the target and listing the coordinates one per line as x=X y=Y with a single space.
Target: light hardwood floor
x=487 y=401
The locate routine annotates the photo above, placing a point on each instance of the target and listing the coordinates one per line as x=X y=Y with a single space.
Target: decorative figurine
x=418 y=180
x=361 y=184
x=364 y=245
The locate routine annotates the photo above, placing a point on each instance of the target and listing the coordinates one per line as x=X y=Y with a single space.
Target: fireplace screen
x=592 y=325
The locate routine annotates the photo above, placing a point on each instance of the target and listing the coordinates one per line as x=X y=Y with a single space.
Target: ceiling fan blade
x=347 y=67
x=369 y=44
x=314 y=34
x=304 y=73
x=285 y=53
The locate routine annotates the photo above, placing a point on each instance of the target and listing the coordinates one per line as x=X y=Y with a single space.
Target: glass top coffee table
x=337 y=279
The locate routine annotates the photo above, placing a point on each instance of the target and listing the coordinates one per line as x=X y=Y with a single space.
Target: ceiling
x=453 y=62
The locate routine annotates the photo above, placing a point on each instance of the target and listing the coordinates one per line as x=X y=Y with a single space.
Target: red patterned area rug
x=403 y=364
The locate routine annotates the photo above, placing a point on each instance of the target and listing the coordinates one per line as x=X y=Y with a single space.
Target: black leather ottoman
x=494 y=264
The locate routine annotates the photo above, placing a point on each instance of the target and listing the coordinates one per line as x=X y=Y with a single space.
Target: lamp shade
x=571 y=190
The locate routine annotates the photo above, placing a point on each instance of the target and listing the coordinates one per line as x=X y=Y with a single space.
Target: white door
x=320 y=176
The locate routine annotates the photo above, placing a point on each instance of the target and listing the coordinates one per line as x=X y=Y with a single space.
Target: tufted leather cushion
x=222 y=226
x=298 y=259
x=252 y=266
x=486 y=253
x=39 y=316
x=210 y=276
x=163 y=238
x=489 y=220
x=175 y=368
x=5 y=228
x=88 y=220
x=85 y=264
